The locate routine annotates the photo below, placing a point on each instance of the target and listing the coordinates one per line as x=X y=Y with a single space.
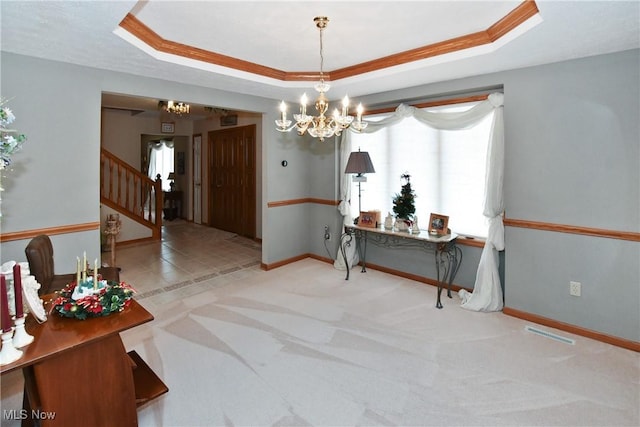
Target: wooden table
x=78 y=373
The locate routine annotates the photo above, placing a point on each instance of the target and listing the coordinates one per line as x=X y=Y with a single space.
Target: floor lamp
x=359 y=163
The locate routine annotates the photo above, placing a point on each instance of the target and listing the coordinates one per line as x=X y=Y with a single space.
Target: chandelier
x=321 y=126
x=177 y=108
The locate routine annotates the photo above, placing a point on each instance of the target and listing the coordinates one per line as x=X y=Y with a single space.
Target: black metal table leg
x=363 y=255
x=438 y=257
x=455 y=255
x=343 y=245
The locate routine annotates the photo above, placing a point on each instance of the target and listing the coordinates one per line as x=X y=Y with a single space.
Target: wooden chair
x=39 y=253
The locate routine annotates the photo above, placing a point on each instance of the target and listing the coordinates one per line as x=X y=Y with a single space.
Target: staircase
x=130 y=192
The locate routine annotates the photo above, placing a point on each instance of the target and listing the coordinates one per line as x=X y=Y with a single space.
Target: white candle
x=84 y=266
x=95 y=274
x=78 y=271
x=283 y=111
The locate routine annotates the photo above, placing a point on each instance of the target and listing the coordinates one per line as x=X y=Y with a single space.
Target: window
x=447 y=170
x=161 y=162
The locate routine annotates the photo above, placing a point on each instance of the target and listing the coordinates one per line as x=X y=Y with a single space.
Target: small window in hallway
x=161 y=161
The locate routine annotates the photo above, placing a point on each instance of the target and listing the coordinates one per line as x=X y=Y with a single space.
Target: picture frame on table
x=369 y=219
x=167 y=127
x=438 y=224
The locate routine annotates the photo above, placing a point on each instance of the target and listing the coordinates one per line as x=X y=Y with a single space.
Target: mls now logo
x=23 y=414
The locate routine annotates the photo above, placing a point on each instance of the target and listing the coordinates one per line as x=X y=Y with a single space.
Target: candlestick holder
x=9 y=353
x=20 y=336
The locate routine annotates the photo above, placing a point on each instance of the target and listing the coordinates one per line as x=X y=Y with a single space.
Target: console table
x=448 y=256
x=77 y=372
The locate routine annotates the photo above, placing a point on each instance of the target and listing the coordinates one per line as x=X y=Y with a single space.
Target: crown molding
x=512 y=20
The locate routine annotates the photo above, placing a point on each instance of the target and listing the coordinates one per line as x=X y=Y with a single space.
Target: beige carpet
x=300 y=346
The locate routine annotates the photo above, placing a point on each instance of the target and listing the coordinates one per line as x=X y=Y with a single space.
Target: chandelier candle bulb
x=345 y=105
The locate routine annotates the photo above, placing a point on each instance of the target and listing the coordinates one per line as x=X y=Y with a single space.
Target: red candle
x=17 y=289
x=4 y=305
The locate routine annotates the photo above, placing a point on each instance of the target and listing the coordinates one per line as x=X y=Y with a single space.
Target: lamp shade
x=172 y=175
x=359 y=162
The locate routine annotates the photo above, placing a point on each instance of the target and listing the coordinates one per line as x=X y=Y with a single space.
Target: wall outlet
x=575 y=289
x=327 y=235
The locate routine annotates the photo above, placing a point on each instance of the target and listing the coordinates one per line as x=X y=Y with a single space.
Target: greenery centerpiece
x=92 y=298
x=404 y=205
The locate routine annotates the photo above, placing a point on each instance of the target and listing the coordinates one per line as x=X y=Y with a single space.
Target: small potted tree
x=404 y=205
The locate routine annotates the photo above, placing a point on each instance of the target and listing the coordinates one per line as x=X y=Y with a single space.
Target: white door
x=197 y=179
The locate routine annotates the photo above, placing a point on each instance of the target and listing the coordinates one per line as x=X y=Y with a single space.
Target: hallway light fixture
x=173 y=107
x=321 y=126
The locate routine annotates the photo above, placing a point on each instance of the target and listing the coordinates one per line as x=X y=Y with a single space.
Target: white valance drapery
x=487 y=291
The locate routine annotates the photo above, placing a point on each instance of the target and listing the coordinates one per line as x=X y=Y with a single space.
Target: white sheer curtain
x=345 y=179
x=345 y=205
x=487 y=293
x=152 y=150
x=155 y=150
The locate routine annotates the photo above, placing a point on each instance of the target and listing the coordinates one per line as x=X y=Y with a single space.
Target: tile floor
x=189 y=259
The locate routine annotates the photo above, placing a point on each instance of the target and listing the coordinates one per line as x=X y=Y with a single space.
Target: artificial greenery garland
x=111 y=297
x=10 y=139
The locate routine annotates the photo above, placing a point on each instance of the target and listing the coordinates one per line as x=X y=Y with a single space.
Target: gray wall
x=572 y=157
x=56 y=179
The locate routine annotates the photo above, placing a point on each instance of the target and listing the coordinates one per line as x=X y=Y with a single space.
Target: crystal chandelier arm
x=302 y=127
x=283 y=123
x=284 y=126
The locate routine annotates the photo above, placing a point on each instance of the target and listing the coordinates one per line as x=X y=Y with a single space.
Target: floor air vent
x=550 y=335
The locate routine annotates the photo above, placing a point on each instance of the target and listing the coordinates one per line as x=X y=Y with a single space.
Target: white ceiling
x=282 y=35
